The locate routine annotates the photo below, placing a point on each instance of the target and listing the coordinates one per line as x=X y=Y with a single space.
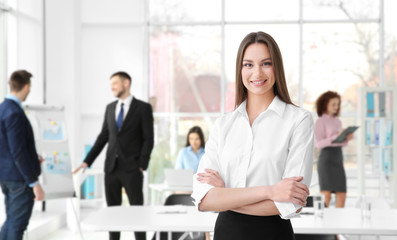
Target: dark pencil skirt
x=236 y=226
x=331 y=173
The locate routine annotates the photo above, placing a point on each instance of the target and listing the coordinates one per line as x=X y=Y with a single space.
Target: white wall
x=112 y=39
x=62 y=74
x=25 y=44
x=87 y=41
x=63 y=64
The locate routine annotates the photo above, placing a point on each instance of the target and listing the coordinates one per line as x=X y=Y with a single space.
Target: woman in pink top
x=331 y=173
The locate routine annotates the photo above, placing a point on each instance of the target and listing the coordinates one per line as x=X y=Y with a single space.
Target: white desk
x=348 y=221
x=165 y=187
x=150 y=218
x=147 y=218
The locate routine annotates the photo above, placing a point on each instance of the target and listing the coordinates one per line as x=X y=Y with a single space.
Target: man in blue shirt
x=19 y=161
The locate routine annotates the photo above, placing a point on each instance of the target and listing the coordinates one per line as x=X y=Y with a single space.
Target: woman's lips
x=258 y=83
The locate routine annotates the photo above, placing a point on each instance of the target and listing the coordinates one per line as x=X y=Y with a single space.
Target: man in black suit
x=19 y=161
x=128 y=130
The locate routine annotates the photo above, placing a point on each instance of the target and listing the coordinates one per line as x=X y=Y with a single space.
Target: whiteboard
x=49 y=128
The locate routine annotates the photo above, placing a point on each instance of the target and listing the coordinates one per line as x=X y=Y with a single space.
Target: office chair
x=182 y=199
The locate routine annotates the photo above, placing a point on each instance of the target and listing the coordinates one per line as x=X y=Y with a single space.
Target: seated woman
x=189 y=156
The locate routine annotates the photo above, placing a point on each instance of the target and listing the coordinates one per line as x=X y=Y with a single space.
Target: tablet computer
x=342 y=137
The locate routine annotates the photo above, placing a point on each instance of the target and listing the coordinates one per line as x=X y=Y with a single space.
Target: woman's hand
x=211 y=177
x=349 y=136
x=290 y=190
x=341 y=131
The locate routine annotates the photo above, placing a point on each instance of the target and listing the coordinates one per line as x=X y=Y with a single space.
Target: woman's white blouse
x=278 y=145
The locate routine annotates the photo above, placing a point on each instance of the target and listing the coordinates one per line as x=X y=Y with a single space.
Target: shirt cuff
x=33 y=184
x=199 y=190
x=287 y=209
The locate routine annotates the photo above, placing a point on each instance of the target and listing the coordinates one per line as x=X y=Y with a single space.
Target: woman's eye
x=247 y=65
x=267 y=63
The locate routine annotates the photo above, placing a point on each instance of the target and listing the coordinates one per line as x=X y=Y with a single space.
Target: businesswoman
x=331 y=173
x=189 y=156
x=257 y=164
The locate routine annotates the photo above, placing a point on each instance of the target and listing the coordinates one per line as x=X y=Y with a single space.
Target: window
x=23 y=35
x=185 y=69
x=3 y=49
x=326 y=45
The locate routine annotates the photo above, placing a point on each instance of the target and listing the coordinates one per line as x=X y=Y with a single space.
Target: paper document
x=173 y=209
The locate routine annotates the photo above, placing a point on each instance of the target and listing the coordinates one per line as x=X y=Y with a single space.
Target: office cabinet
x=377 y=149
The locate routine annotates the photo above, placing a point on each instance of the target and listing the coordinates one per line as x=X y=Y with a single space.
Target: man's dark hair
x=122 y=75
x=19 y=79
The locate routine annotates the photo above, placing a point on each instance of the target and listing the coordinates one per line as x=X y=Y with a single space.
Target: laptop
x=178 y=177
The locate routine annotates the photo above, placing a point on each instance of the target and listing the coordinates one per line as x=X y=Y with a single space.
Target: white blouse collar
x=276 y=106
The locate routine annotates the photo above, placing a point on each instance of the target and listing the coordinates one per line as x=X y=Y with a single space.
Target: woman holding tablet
x=331 y=173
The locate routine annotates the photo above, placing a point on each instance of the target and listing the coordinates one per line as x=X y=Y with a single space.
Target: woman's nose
x=258 y=71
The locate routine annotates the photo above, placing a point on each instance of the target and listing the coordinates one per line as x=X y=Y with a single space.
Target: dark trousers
x=19 y=200
x=132 y=183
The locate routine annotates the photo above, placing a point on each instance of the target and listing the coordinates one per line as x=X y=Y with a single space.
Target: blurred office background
x=181 y=56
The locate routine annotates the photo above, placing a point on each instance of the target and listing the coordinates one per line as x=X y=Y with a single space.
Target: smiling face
x=333 y=106
x=120 y=87
x=257 y=71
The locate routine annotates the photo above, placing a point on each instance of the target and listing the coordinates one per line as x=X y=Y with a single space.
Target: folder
x=88 y=187
x=368 y=132
x=382 y=104
x=387 y=161
x=377 y=132
x=370 y=104
x=389 y=132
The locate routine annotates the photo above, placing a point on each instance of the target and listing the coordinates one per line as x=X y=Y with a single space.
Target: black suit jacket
x=132 y=145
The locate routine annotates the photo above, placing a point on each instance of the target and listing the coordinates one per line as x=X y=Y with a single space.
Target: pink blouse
x=326 y=129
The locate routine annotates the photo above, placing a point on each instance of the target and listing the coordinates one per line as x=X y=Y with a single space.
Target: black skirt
x=236 y=226
x=331 y=173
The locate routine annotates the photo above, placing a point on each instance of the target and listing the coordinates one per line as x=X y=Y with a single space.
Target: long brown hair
x=196 y=129
x=323 y=100
x=280 y=86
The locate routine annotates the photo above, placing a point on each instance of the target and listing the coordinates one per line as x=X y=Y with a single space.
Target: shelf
x=378 y=162
x=378 y=118
x=377 y=146
x=92 y=200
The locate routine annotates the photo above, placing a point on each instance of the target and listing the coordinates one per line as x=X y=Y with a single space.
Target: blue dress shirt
x=188 y=159
x=15 y=99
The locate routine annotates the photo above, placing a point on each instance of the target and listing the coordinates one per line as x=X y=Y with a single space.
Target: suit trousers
x=19 y=205
x=132 y=181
